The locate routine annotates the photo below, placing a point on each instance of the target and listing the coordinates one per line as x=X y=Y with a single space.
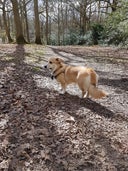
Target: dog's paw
x=62 y=91
x=86 y=95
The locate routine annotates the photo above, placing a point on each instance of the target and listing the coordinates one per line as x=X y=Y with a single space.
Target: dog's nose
x=45 y=66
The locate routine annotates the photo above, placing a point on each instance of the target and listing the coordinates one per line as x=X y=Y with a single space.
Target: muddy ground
x=43 y=130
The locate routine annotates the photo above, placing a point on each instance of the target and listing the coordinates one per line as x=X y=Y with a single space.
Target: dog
x=85 y=78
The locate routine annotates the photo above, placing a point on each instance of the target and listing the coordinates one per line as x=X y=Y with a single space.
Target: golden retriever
x=85 y=78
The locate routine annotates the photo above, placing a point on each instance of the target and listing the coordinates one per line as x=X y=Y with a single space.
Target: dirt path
x=42 y=130
x=113 y=76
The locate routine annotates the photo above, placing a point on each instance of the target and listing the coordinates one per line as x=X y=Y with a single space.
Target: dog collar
x=56 y=75
x=59 y=74
x=57 y=69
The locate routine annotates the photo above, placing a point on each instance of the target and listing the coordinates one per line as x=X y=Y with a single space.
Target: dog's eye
x=50 y=62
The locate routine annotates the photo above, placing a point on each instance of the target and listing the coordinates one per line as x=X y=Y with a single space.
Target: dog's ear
x=59 y=60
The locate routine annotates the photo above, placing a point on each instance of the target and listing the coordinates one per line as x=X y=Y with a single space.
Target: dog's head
x=54 y=63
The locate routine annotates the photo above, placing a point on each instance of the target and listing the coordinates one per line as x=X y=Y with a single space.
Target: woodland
x=64 y=22
x=42 y=129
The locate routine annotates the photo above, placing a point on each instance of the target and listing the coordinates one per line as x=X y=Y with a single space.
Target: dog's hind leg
x=97 y=78
x=85 y=92
x=84 y=84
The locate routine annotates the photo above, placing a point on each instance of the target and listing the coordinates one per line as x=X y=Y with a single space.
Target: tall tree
x=18 y=26
x=1 y=24
x=6 y=25
x=37 y=23
x=47 y=23
x=58 y=23
x=26 y=18
x=113 y=4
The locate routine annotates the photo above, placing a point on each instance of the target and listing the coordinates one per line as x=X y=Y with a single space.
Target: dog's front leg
x=62 y=91
x=86 y=95
x=63 y=88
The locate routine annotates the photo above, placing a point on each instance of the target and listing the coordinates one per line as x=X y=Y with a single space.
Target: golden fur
x=85 y=78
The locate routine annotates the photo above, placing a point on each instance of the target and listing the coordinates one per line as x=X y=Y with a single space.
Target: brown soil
x=43 y=130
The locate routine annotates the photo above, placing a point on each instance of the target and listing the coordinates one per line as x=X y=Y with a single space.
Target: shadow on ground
x=33 y=140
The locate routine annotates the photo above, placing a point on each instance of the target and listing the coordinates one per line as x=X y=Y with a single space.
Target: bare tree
x=83 y=11
x=6 y=25
x=47 y=22
x=58 y=23
x=1 y=25
x=26 y=18
x=37 y=23
x=112 y=4
x=18 y=26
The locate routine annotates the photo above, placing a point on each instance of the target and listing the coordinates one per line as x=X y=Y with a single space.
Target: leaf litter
x=41 y=129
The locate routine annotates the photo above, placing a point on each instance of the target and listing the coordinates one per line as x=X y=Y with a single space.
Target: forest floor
x=43 y=130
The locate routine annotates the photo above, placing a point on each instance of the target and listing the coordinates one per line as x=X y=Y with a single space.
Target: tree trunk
x=63 y=23
x=99 y=6
x=114 y=5
x=84 y=15
x=66 y=22
x=19 y=32
x=26 y=21
x=7 y=29
x=1 y=25
x=47 y=27
x=58 y=24
x=37 y=23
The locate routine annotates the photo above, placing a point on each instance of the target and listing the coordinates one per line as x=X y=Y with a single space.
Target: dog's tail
x=96 y=93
